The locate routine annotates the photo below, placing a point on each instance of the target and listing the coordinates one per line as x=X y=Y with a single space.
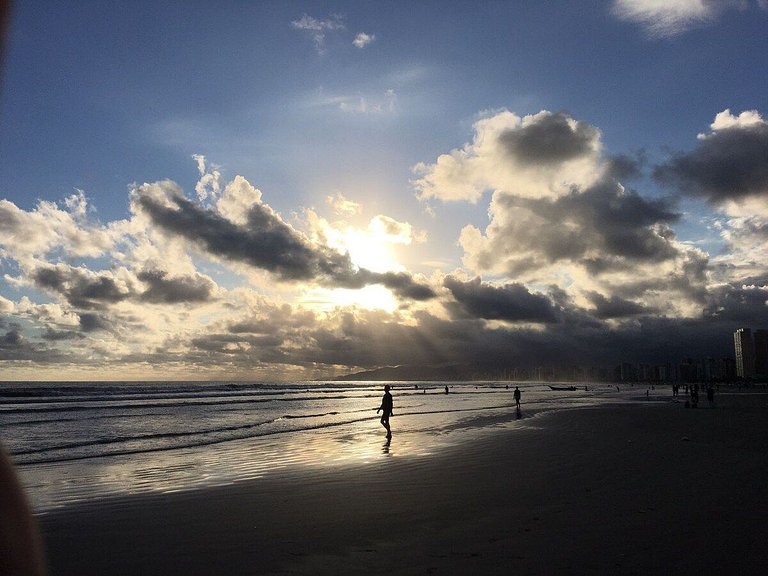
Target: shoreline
x=626 y=488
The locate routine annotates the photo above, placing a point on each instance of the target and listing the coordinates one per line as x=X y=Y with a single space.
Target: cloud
x=605 y=223
x=372 y=104
x=88 y=290
x=403 y=285
x=209 y=184
x=666 y=18
x=730 y=164
x=6 y=305
x=579 y=268
x=16 y=348
x=81 y=287
x=544 y=154
x=362 y=39
x=623 y=167
x=549 y=139
x=49 y=228
x=615 y=307
x=261 y=239
x=318 y=28
x=255 y=235
x=161 y=288
x=342 y=206
x=746 y=253
x=510 y=302
x=559 y=216
x=729 y=169
x=90 y=322
x=388 y=229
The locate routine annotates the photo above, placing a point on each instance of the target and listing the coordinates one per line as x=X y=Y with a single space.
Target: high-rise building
x=745 y=353
x=761 y=352
x=728 y=369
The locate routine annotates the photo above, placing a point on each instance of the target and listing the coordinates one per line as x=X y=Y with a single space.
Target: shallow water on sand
x=78 y=441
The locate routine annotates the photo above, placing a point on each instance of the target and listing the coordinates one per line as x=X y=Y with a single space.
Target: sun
x=373 y=297
x=370 y=251
x=367 y=249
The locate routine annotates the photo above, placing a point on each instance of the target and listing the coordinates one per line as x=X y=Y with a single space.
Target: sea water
x=74 y=442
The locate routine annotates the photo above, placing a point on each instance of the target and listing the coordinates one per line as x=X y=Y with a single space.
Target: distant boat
x=568 y=388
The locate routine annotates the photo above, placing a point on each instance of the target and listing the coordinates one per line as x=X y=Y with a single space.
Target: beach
x=641 y=487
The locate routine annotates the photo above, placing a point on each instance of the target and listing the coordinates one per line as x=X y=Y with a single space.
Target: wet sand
x=649 y=487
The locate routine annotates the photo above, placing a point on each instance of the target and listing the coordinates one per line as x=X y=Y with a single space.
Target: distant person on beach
x=711 y=395
x=446 y=389
x=517 y=396
x=386 y=406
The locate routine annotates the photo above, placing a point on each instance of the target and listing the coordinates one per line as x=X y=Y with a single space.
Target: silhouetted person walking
x=517 y=396
x=386 y=406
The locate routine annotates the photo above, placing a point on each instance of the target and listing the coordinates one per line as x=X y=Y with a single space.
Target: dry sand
x=644 y=488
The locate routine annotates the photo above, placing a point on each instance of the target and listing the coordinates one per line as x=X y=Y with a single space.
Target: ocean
x=77 y=441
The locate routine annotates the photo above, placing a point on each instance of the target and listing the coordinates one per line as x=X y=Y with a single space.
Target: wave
x=66 y=406
x=192 y=444
x=257 y=428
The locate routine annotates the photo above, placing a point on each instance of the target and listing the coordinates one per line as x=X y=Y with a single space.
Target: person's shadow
x=385 y=447
x=518 y=413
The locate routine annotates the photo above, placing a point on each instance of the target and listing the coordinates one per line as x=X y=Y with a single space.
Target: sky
x=298 y=190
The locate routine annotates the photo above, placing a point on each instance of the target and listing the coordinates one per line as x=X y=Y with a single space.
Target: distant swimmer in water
x=517 y=396
x=386 y=407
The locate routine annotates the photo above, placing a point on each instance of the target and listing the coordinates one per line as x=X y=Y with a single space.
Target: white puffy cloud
x=390 y=230
x=362 y=39
x=343 y=206
x=540 y=155
x=209 y=184
x=725 y=120
x=237 y=199
x=48 y=228
x=318 y=28
x=6 y=305
x=664 y=18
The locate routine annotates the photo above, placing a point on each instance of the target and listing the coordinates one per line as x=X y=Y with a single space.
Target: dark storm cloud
x=89 y=291
x=371 y=339
x=11 y=340
x=90 y=322
x=268 y=243
x=550 y=139
x=729 y=164
x=615 y=307
x=743 y=303
x=174 y=290
x=623 y=167
x=604 y=218
x=53 y=335
x=80 y=289
x=14 y=346
x=265 y=241
x=237 y=343
x=403 y=285
x=511 y=302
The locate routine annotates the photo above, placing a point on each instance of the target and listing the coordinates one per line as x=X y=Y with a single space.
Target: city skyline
x=283 y=191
